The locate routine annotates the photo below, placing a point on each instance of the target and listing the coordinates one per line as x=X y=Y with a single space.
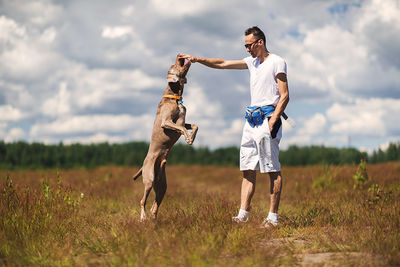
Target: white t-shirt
x=263 y=84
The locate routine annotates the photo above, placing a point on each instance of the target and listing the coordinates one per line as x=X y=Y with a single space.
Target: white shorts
x=258 y=150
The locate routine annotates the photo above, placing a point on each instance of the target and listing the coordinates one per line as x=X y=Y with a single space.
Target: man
x=260 y=143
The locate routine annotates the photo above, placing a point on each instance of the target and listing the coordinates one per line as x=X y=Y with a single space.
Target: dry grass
x=90 y=217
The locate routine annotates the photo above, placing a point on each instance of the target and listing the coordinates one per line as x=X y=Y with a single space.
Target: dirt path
x=308 y=258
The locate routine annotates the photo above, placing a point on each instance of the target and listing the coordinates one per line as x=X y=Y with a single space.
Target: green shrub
x=361 y=176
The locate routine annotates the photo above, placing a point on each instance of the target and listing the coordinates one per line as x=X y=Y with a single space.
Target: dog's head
x=178 y=71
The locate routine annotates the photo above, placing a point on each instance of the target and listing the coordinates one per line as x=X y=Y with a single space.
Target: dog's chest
x=179 y=114
x=182 y=110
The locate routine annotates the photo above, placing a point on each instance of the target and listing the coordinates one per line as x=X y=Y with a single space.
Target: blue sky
x=94 y=71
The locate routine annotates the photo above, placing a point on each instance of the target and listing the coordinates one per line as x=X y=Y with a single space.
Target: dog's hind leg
x=148 y=179
x=147 y=189
x=160 y=187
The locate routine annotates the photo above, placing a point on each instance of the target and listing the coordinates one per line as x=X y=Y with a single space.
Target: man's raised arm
x=217 y=63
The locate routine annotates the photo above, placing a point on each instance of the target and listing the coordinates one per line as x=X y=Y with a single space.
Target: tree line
x=392 y=153
x=23 y=155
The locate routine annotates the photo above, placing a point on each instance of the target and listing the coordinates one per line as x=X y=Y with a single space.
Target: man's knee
x=276 y=182
x=275 y=175
x=249 y=175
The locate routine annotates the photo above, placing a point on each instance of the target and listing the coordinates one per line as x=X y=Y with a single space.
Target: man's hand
x=271 y=123
x=192 y=59
x=283 y=101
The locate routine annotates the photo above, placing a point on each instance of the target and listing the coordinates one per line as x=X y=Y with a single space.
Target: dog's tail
x=137 y=174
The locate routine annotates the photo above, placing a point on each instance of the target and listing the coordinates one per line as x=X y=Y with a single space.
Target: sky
x=94 y=71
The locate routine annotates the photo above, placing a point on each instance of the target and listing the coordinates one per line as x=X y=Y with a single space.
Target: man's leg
x=247 y=192
x=275 y=195
x=248 y=189
x=275 y=190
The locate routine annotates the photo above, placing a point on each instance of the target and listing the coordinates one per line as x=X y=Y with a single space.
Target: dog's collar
x=178 y=97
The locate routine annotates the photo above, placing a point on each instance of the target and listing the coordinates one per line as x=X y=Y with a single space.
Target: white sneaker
x=238 y=219
x=269 y=224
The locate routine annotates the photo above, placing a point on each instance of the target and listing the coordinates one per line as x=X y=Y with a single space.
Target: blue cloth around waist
x=255 y=115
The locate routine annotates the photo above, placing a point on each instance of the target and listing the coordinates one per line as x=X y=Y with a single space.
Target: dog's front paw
x=189 y=141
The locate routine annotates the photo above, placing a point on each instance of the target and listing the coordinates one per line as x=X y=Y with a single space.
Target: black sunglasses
x=249 y=45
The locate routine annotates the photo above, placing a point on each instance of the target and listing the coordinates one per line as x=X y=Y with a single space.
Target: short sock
x=273 y=217
x=243 y=214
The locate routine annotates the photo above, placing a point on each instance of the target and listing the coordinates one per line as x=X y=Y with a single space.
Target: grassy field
x=91 y=217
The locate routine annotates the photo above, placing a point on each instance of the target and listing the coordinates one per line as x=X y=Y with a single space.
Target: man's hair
x=257 y=32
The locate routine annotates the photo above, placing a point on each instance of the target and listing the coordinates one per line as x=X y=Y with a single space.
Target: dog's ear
x=172 y=78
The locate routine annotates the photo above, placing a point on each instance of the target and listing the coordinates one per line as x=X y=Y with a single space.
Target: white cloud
x=379 y=11
x=38 y=12
x=97 y=138
x=3 y=127
x=323 y=59
x=27 y=55
x=89 y=124
x=301 y=140
x=58 y=105
x=199 y=104
x=350 y=123
x=48 y=36
x=9 y=113
x=348 y=57
x=366 y=117
x=173 y=8
x=128 y=10
x=311 y=131
x=15 y=134
x=116 y=32
x=10 y=30
x=377 y=27
x=25 y=62
x=206 y=112
x=93 y=88
x=314 y=125
x=231 y=135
